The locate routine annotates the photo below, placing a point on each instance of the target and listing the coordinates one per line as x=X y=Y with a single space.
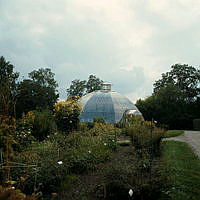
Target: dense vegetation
x=46 y=153
x=175 y=101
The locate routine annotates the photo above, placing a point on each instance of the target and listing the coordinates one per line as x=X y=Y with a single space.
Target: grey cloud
x=77 y=39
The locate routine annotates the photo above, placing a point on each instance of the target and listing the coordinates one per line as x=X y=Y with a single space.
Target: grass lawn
x=183 y=170
x=173 y=133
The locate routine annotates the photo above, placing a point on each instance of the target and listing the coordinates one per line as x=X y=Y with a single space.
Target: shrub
x=24 y=129
x=43 y=124
x=42 y=171
x=145 y=137
x=7 y=140
x=67 y=115
x=98 y=120
x=9 y=193
x=49 y=162
x=83 y=126
x=90 y=151
x=101 y=129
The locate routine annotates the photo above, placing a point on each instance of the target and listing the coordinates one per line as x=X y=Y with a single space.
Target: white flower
x=70 y=121
x=130 y=192
x=89 y=151
x=13 y=187
x=60 y=162
x=113 y=140
x=155 y=122
x=105 y=144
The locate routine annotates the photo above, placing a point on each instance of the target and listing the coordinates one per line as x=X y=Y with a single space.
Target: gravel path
x=190 y=137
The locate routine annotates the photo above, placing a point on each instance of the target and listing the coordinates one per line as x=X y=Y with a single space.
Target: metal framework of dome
x=107 y=104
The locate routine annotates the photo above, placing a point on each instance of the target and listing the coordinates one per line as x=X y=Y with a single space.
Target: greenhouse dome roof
x=107 y=104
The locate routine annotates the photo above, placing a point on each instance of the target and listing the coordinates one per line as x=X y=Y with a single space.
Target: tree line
x=38 y=91
x=175 y=101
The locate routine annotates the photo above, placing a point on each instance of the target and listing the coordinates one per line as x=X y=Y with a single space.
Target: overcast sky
x=126 y=42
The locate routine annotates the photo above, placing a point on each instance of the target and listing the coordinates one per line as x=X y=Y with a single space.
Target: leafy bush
x=34 y=125
x=89 y=152
x=7 y=193
x=67 y=115
x=145 y=136
x=98 y=120
x=83 y=126
x=43 y=124
x=101 y=129
x=49 y=162
x=42 y=171
x=24 y=129
x=7 y=132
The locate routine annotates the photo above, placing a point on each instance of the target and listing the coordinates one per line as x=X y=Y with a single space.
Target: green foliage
x=44 y=77
x=8 y=87
x=7 y=193
x=79 y=152
x=38 y=91
x=175 y=99
x=24 y=129
x=83 y=126
x=7 y=132
x=43 y=124
x=167 y=106
x=173 y=133
x=128 y=172
x=44 y=172
x=67 y=115
x=103 y=129
x=68 y=183
x=80 y=88
x=183 y=169
x=77 y=88
x=93 y=84
x=184 y=77
x=145 y=136
x=34 y=125
x=196 y=124
x=98 y=120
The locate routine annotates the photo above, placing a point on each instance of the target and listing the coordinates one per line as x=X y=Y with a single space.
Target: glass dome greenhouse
x=107 y=104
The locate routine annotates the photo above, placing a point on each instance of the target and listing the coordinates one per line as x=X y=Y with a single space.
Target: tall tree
x=77 y=88
x=38 y=91
x=8 y=85
x=80 y=88
x=184 y=77
x=8 y=94
x=93 y=84
x=44 y=77
x=176 y=98
x=167 y=106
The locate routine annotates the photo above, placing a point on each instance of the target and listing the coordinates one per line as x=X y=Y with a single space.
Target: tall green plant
x=67 y=115
x=43 y=124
